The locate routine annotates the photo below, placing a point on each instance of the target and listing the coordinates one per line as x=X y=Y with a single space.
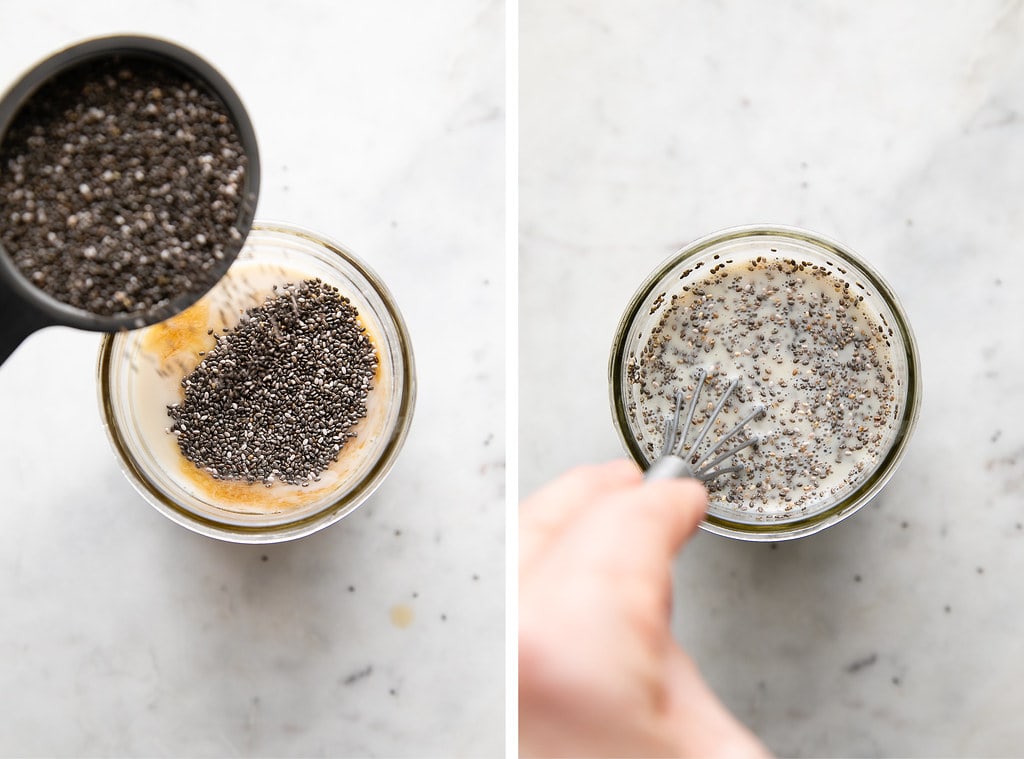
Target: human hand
x=599 y=671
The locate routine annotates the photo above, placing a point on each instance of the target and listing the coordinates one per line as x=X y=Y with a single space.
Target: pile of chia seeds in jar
x=278 y=396
x=801 y=342
x=121 y=187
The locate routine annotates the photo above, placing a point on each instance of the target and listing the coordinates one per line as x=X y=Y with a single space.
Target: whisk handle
x=669 y=467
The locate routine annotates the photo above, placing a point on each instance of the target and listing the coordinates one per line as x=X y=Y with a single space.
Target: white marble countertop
x=380 y=124
x=895 y=128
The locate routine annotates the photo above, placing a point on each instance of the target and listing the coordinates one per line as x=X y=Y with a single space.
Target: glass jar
x=641 y=427
x=140 y=374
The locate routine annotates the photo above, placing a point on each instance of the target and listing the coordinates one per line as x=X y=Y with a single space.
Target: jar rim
x=887 y=464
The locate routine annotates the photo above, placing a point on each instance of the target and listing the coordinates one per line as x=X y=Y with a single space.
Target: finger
x=547 y=511
x=622 y=547
x=653 y=518
x=585 y=481
x=667 y=509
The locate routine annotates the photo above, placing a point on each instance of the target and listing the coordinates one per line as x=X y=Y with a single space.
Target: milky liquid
x=164 y=353
x=805 y=344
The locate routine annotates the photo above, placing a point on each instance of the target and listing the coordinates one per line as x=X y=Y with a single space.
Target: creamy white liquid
x=802 y=344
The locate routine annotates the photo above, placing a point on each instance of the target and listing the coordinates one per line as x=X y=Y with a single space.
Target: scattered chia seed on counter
x=802 y=343
x=279 y=394
x=120 y=187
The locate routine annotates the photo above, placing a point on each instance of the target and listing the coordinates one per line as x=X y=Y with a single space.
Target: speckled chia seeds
x=278 y=396
x=802 y=343
x=120 y=187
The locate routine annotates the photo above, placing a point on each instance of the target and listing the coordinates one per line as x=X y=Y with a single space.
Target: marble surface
x=895 y=128
x=381 y=125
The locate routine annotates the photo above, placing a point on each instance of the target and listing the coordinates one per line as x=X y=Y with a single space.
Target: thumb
x=678 y=505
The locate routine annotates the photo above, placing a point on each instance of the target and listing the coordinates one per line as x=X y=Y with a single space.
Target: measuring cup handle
x=18 y=320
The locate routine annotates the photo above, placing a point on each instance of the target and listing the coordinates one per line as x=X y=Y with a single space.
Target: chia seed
x=278 y=396
x=120 y=187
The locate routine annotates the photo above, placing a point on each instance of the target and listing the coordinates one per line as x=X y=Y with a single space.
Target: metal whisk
x=679 y=460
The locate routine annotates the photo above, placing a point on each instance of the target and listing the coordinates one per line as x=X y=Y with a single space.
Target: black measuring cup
x=24 y=308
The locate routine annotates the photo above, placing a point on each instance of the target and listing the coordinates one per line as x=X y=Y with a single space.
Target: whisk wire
x=672 y=426
x=679 y=460
x=714 y=415
x=722 y=457
x=701 y=376
x=710 y=451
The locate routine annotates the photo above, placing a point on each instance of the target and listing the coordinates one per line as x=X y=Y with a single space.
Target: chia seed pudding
x=811 y=336
x=121 y=187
